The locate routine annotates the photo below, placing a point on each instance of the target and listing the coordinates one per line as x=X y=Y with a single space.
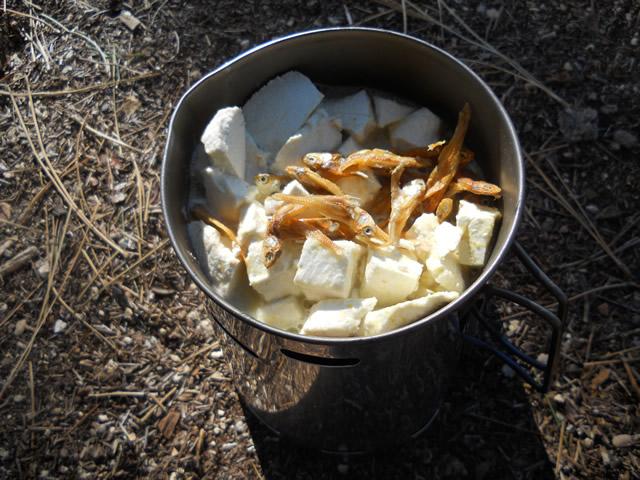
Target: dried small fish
x=288 y=223
x=448 y=163
x=381 y=206
x=342 y=209
x=403 y=203
x=308 y=177
x=268 y=184
x=479 y=187
x=376 y=158
x=200 y=213
x=445 y=207
x=326 y=163
x=428 y=152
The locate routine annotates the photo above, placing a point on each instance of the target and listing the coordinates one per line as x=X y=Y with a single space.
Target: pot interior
x=376 y=59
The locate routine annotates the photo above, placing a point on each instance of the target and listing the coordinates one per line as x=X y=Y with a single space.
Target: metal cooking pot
x=356 y=394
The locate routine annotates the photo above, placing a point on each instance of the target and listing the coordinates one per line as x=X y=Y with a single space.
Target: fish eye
x=263 y=178
x=368 y=231
x=268 y=256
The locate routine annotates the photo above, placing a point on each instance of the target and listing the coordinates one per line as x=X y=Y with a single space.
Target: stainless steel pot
x=357 y=394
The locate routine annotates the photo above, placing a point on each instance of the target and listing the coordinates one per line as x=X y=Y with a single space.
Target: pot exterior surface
x=346 y=398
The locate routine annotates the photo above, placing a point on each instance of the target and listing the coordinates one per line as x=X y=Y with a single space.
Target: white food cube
x=477 y=224
x=401 y=314
x=253 y=224
x=349 y=146
x=377 y=138
x=294 y=187
x=224 y=140
x=276 y=281
x=446 y=272
x=419 y=129
x=446 y=238
x=355 y=113
x=221 y=260
x=390 y=275
x=443 y=262
x=226 y=194
x=324 y=274
x=363 y=187
x=337 y=318
x=288 y=313
x=279 y=109
x=389 y=111
x=422 y=234
x=256 y=161
x=320 y=134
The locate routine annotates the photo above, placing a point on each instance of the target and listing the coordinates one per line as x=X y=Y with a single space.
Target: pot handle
x=555 y=320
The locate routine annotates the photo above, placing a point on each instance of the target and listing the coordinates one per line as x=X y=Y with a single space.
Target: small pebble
x=609 y=109
x=216 y=354
x=21 y=326
x=205 y=328
x=343 y=469
x=228 y=446
x=60 y=326
x=493 y=13
x=42 y=267
x=625 y=138
x=625 y=440
x=240 y=426
x=592 y=208
x=543 y=358
x=507 y=371
x=603 y=309
x=558 y=398
x=18 y=398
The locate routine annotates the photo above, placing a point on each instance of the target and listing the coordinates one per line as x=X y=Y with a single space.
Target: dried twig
x=88 y=88
x=18 y=261
x=117 y=394
x=632 y=378
x=199 y=352
x=100 y=134
x=559 y=454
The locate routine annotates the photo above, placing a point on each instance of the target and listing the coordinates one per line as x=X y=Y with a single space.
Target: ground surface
x=108 y=364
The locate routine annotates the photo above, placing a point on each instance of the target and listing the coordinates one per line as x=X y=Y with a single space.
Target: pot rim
x=448 y=309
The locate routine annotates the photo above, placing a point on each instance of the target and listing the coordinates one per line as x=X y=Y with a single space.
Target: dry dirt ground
x=108 y=365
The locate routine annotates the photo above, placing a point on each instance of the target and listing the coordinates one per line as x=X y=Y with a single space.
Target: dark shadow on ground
x=485 y=431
